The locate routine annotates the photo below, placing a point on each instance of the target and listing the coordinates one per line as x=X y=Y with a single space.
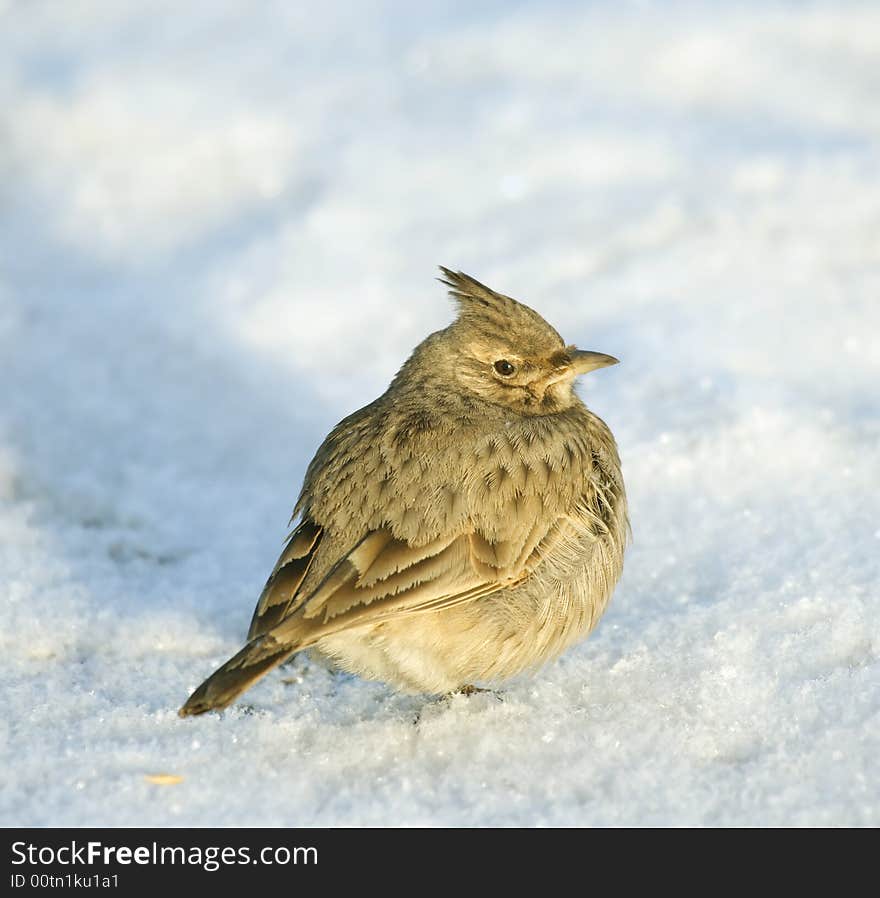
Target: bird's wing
x=379 y=576
x=384 y=576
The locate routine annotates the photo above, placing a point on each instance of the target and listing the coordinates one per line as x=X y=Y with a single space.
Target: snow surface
x=218 y=233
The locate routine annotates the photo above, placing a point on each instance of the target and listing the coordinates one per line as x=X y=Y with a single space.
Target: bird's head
x=507 y=354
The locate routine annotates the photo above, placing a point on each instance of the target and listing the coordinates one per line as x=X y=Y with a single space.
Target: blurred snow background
x=218 y=231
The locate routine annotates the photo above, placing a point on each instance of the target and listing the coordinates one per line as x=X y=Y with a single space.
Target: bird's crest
x=482 y=308
x=467 y=291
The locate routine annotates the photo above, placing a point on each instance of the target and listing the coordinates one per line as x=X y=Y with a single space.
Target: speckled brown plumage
x=467 y=525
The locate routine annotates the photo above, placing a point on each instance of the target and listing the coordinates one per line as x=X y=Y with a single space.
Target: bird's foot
x=446 y=699
x=469 y=689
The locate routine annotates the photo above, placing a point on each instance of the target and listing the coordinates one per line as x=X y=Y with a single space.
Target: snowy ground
x=218 y=233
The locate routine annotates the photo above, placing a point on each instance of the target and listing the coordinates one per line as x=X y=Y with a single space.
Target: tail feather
x=240 y=672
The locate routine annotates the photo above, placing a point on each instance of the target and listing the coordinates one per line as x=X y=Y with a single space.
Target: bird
x=466 y=526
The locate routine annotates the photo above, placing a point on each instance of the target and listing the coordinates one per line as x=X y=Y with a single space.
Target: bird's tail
x=240 y=672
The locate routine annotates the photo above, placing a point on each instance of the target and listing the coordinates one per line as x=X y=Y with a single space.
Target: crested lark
x=467 y=525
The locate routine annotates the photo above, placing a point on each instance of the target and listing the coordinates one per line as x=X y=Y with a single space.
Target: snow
x=219 y=225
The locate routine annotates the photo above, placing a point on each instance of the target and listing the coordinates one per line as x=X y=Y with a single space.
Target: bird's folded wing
x=385 y=577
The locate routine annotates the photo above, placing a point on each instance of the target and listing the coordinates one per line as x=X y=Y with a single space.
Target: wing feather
x=444 y=572
x=277 y=599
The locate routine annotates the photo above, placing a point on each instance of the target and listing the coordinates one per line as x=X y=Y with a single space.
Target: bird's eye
x=504 y=368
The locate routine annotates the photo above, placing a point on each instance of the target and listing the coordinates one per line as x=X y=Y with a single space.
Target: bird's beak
x=583 y=361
